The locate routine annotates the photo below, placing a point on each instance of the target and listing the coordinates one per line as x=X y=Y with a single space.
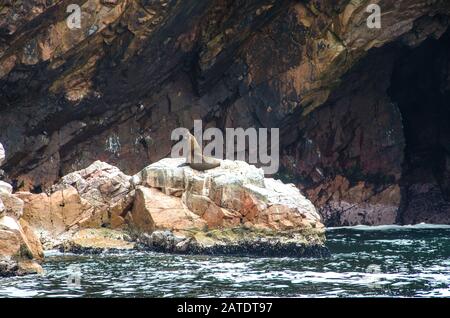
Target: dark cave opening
x=378 y=151
x=420 y=87
x=37 y=189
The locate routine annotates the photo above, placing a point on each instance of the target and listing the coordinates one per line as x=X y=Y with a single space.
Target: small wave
x=421 y=226
x=384 y=261
x=50 y=253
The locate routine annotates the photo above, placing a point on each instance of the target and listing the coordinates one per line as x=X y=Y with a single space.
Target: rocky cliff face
x=363 y=112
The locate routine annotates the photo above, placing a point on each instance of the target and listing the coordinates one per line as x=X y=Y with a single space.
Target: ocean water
x=393 y=261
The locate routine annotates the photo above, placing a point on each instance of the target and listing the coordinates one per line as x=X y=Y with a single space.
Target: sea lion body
x=195 y=159
x=202 y=166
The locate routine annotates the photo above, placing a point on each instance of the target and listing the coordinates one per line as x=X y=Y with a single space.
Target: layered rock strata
x=352 y=138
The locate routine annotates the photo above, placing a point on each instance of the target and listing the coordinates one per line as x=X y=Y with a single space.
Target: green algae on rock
x=97 y=241
x=239 y=241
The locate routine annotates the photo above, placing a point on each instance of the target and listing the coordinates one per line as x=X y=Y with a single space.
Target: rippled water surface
x=380 y=261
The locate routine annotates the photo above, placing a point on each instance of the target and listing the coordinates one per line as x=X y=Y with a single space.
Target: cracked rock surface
x=352 y=138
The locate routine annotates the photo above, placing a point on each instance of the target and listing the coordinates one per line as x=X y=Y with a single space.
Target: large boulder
x=235 y=190
x=90 y=198
x=13 y=205
x=20 y=250
x=5 y=187
x=232 y=208
x=39 y=214
x=32 y=240
x=104 y=187
x=154 y=210
x=58 y=214
x=100 y=184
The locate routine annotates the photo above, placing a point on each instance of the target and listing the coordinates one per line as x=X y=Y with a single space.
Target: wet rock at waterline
x=95 y=241
x=240 y=241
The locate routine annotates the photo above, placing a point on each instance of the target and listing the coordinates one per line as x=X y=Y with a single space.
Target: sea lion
x=195 y=159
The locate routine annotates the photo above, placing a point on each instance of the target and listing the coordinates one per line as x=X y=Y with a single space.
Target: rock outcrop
x=174 y=208
x=20 y=249
x=89 y=198
x=229 y=209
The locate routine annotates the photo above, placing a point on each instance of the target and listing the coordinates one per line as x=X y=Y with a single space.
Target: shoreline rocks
x=90 y=198
x=170 y=207
x=21 y=251
x=231 y=209
x=96 y=241
x=234 y=242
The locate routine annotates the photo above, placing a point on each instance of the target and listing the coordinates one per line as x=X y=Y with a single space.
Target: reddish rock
x=13 y=205
x=71 y=97
x=153 y=210
x=231 y=195
x=97 y=196
x=20 y=249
